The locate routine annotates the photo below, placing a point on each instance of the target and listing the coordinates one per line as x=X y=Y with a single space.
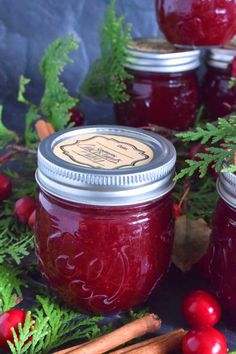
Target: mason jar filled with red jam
x=219 y=96
x=164 y=87
x=105 y=224
x=219 y=264
x=197 y=22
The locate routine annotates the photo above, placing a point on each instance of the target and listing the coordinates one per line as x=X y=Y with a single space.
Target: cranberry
x=76 y=117
x=24 y=207
x=201 y=309
x=5 y=187
x=204 y=341
x=10 y=319
x=32 y=219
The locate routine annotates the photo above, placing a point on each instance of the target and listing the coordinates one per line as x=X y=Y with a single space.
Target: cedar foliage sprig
x=223 y=135
x=16 y=239
x=201 y=199
x=10 y=286
x=53 y=325
x=107 y=76
x=56 y=101
x=6 y=135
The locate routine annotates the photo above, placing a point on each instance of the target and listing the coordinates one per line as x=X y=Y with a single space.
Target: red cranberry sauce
x=220 y=258
x=104 y=259
x=165 y=99
x=197 y=22
x=220 y=99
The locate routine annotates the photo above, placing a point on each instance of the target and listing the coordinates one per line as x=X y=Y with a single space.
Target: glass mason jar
x=197 y=22
x=219 y=263
x=105 y=224
x=219 y=97
x=164 y=90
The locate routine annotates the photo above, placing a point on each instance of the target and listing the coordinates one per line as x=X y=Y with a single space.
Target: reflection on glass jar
x=219 y=96
x=197 y=22
x=164 y=90
x=105 y=224
x=220 y=261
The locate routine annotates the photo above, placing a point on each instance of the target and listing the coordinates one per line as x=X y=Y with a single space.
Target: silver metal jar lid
x=157 y=55
x=221 y=57
x=106 y=165
x=226 y=187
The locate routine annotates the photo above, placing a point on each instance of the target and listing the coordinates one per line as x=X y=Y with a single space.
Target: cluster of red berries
x=25 y=207
x=202 y=311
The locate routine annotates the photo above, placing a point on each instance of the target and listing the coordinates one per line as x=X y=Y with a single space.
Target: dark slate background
x=28 y=26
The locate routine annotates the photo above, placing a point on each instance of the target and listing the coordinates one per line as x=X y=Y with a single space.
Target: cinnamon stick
x=134 y=329
x=164 y=344
x=43 y=129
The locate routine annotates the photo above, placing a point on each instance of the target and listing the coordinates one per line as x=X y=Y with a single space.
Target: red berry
x=204 y=341
x=201 y=309
x=8 y=320
x=76 y=117
x=32 y=219
x=5 y=187
x=24 y=208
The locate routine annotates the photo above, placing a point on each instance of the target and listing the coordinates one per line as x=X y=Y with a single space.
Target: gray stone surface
x=28 y=26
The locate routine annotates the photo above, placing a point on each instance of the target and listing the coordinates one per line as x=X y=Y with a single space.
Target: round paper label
x=104 y=151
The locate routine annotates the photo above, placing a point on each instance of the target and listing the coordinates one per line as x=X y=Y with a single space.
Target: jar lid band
x=106 y=165
x=157 y=55
x=220 y=57
x=226 y=187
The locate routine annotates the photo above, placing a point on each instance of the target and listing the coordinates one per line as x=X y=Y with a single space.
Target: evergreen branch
x=201 y=199
x=223 y=129
x=222 y=133
x=53 y=326
x=107 y=77
x=10 y=286
x=6 y=135
x=14 y=247
x=56 y=101
x=22 y=341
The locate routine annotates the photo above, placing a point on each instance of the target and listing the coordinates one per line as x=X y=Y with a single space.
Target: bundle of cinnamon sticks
x=163 y=344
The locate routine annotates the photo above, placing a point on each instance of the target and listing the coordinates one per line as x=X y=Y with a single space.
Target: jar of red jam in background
x=219 y=96
x=105 y=224
x=219 y=264
x=164 y=90
x=197 y=22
